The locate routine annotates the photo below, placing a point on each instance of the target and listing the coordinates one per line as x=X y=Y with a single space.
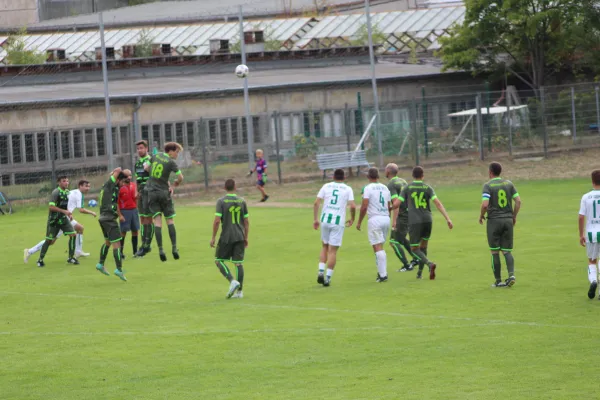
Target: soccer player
x=109 y=223
x=261 y=174
x=232 y=215
x=76 y=201
x=160 y=200
x=498 y=195
x=59 y=219
x=128 y=212
x=589 y=230
x=376 y=204
x=418 y=196
x=336 y=196
x=399 y=219
x=141 y=177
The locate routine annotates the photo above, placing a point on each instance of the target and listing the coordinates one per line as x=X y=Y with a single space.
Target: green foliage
x=531 y=38
x=412 y=58
x=306 y=146
x=560 y=111
x=138 y=2
x=362 y=36
x=143 y=47
x=16 y=53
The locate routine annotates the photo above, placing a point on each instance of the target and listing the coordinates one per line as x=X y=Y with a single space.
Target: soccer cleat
x=499 y=284
x=141 y=252
x=327 y=282
x=233 y=286
x=266 y=198
x=510 y=281
x=432 y=268
x=592 y=291
x=419 y=275
x=320 y=279
x=381 y=278
x=73 y=261
x=162 y=256
x=26 y=256
x=176 y=254
x=40 y=263
x=122 y=256
x=262 y=200
x=238 y=295
x=412 y=265
x=120 y=275
x=100 y=268
x=404 y=269
x=81 y=254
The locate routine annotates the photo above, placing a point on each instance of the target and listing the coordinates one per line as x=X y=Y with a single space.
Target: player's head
x=339 y=175
x=596 y=178
x=83 y=186
x=230 y=185
x=126 y=177
x=259 y=153
x=391 y=170
x=373 y=174
x=173 y=149
x=495 y=169
x=418 y=172
x=63 y=181
x=142 y=148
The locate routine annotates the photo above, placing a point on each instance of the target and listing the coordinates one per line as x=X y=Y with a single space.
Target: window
x=125 y=142
x=29 y=150
x=190 y=134
x=256 y=129
x=306 y=124
x=90 y=143
x=234 y=132
x=155 y=137
x=77 y=144
x=145 y=132
x=244 y=131
x=115 y=140
x=100 y=141
x=54 y=155
x=168 y=133
x=41 y=147
x=212 y=133
x=16 y=148
x=358 y=123
x=3 y=149
x=317 y=124
x=65 y=147
x=179 y=133
x=224 y=131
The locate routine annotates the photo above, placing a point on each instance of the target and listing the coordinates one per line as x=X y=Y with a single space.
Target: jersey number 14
x=420 y=202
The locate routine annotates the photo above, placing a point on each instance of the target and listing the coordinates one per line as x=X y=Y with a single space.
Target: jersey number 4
x=236 y=213
x=381 y=199
x=157 y=170
x=420 y=202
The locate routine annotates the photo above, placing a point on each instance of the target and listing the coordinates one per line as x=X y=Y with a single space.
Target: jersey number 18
x=157 y=170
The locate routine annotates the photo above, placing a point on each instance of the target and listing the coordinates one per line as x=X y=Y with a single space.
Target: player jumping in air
x=59 y=219
x=589 y=230
x=261 y=174
x=128 y=212
x=232 y=215
x=497 y=202
x=160 y=201
x=376 y=204
x=141 y=177
x=109 y=224
x=336 y=196
x=76 y=200
x=418 y=196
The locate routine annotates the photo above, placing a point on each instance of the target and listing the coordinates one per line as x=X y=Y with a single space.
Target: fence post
x=510 y=137
x=487 y=105
x=597 y=110
x=573 y=114
x=277 y=121
x=52 y=134
x=479 y=130
x=347 y=130
x=109 y=142
x=202 y=134
x=425 y=121
x=414 y=130
x=545 y=131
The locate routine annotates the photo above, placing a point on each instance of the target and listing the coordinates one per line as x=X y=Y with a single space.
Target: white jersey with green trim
x=590 y=208
x=379 y=199
x=335 y=196
x=75 y=200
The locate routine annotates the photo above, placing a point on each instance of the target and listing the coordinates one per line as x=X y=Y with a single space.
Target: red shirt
x=127 y=200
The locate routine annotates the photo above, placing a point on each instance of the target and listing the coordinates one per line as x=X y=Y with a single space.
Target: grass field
x=68 y=332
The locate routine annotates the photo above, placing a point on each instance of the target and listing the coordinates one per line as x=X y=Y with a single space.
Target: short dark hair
x=82 y=183
x=496 y=168
x=145 y=143
x=596 y=177
x=339 y=174
x=61 y=177
x=229 y=185
x=172 y=146
x=418 y=172
x=373 y=173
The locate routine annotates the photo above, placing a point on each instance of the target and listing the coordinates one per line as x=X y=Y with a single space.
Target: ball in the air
x=92 y=203
x=242 y=71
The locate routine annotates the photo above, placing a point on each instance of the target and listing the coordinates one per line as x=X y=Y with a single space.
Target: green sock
x=421 y=257
x=72 y=246
x=510 y=264
x=399 y=253
x=497 y=267
x=224 y=270
x=44 y=250
x=103 y=254
x=117 y=256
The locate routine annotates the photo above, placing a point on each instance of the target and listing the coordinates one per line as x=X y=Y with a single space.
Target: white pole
x=249 y=125
x=109 y=142
x=374 y=84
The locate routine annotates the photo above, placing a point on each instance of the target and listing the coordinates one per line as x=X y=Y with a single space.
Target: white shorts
x=73 y=223
x=332 y=234
x=378 y=229
x=593 y=250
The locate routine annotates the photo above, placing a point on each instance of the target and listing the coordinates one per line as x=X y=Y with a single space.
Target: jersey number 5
x=157 y=170
x=335 y=197
x=236 y=213
x=418 y=199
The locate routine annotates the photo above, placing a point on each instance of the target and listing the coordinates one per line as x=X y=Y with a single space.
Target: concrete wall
x=18 y=13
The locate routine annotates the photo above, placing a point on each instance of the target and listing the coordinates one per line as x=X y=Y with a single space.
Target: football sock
x=381 y=263
x=406 y=244
x=497 y=267
x=158 y=232
x=322 y=267
x=424 y=250
x=45 y=247
x=421 y=257
x=399 y=253
x=72 y=246
x=145 y=234
x=103 y=254
x=329 y=273
x=134 y=243
x=592 y=273
x=150 y=235
x=79 y=243
x=122 y=243
x=510 y=264
x=173 y=236
x=240 y=275
x=224 y=270
x=36 y=248
x=117 y=256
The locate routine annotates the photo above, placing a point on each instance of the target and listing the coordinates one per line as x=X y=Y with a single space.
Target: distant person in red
x=128 y=212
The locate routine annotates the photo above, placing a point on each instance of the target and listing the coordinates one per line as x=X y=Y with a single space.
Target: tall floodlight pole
x=374 y=84
x=249 y=125
x=109 y=141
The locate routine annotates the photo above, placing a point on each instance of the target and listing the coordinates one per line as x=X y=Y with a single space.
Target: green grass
x=68 y=332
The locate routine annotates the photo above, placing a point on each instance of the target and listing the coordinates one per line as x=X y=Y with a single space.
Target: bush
x=16 y=53
x=305 y=146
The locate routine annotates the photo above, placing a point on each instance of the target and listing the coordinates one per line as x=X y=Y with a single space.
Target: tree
x=143 y=47
x=361 y=38
x=532 y=39
x=16 y=54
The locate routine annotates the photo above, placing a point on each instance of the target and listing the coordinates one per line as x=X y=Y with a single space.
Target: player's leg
x=397 y=247
x=506 y=245
x=593 y=250
x=325 y=232
x=29 y=252
x=415 y=232
x=238 y=259
x=79 y=228
x=69 y=231
x=224 y=253
x=103 y=250
x=51 y=234
x=377 y=235
x=336 y=236
x=493 y=237
x=135 y=228
x=260 y=185
x=114 y=237
x=125 y=226
x=169 y=216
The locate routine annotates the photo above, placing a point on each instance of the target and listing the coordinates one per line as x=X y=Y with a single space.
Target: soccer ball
x=92 y=203
x=241 y=71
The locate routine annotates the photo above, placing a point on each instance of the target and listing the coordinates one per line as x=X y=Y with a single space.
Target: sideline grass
x=67 y=332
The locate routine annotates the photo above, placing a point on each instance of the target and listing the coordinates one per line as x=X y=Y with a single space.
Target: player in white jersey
x=336 y=197
x=76 y=200
x=376 y=204
x=589 y=230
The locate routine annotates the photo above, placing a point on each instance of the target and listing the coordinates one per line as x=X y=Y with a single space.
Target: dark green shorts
x=401 y=231
x=111 y=230
x=53 y=228
x=419 y=232
x=233 y=252
x=160 y=202
x=500 y=234
x=142 y=203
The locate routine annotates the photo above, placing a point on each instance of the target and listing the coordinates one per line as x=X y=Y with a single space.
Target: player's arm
x=352 y=205
x=115 y=173
x=517 y=207
x=364 y=206
x=86 y=211
x=246 y=229
x=216 y=222
x=442 y=210
x=395 y=209
x=582 y=212
x=179 y=178
x=316 y=207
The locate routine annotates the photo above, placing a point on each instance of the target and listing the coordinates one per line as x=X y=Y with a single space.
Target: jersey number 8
x=502 y=200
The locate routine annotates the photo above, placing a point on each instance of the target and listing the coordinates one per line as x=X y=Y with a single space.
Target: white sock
x=79 y=243
x=329 y=273
x=322 y=267
x=36 y=248
x=592 y=273
x=381 y=259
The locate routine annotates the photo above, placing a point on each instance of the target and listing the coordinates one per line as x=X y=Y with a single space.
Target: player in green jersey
x=59 y=219
x=160 y=201
x=418 y=196
x=109 y=223
x=141 y=178
x=232 y=216
x=399 y=219
x=497 y=202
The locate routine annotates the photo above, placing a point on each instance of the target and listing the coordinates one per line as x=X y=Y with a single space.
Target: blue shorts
x=132 y=220
x=262 y=181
